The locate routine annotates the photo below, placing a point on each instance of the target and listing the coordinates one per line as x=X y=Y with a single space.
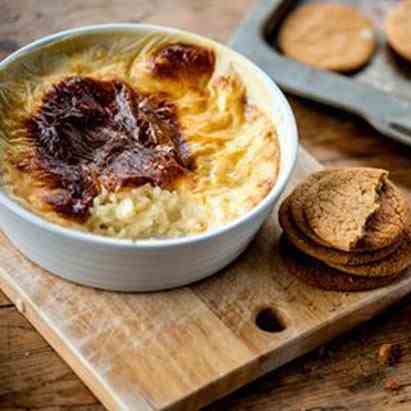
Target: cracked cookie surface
x=388 y=223
x=383 y=228
x=346 y=229
x=339 y=208
x=328 y=36
x=325 y=254
x=297 y=206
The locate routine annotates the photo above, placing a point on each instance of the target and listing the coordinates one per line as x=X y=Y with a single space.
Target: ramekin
x=147 y=265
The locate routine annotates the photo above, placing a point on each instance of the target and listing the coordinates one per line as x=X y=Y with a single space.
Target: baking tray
x=380 y=92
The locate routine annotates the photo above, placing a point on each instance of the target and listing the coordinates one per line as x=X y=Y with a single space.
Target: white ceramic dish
x=126 y=265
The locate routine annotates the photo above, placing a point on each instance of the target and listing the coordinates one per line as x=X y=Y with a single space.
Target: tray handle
x=387 y=113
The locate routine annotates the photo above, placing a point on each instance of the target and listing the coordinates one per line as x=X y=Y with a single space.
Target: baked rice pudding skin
x=149 y=137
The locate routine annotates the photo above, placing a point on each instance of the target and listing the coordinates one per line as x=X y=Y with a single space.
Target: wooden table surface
x=344 y=375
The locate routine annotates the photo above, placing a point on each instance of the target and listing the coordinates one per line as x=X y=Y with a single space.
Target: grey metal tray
x=380 y=92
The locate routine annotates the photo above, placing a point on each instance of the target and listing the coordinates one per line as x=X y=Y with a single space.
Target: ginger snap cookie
x=387 y=224
x=339 y=208
x=394 y=263
x=316 y=274
x=326 y=254
x=297 y=202
x=346 y=229
x=398 y=29
x=382 y=229
x=328 y=36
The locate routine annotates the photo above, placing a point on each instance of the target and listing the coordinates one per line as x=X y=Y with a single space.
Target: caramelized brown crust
x=90 y=133
x=183 y=61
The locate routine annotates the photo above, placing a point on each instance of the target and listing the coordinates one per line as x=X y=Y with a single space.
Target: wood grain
x=333 y=137
x=345 y=375
x=193 y=345
x=31 y=370
x=4 y=301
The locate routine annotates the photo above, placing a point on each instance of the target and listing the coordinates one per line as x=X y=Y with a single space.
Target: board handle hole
x=269 y=320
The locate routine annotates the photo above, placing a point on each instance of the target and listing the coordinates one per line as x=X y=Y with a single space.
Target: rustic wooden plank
x=345 y=368
x=107 y=329
x=333 y=137
x=32 y=375
x=299 y=379
x=24 y=21
x=192 y=345
x=344 y=375
x=269 y=396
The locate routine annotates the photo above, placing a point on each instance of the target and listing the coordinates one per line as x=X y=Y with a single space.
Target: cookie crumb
x=391 y=384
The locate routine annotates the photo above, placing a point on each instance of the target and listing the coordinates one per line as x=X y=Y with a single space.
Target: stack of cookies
x=346 y=230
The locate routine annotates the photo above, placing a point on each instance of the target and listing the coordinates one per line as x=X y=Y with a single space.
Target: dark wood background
x=345 y=374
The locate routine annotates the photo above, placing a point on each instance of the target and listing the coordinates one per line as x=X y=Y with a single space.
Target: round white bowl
x=147 y=265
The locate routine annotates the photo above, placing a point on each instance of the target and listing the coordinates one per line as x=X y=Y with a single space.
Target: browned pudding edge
x=183 y=61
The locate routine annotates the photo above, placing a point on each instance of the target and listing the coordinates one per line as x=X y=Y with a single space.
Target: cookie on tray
x=328 y=36
x=398 y=29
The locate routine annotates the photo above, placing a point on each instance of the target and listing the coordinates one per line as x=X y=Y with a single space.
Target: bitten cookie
x=319 y=275
x=328 y=36
x=325 y=254
x=355 y=209
x=396 y=262
x=398 y=29
x=388 y=223
x=346 y=230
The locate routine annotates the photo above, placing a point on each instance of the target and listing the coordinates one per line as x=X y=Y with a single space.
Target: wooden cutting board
x=182 y=349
